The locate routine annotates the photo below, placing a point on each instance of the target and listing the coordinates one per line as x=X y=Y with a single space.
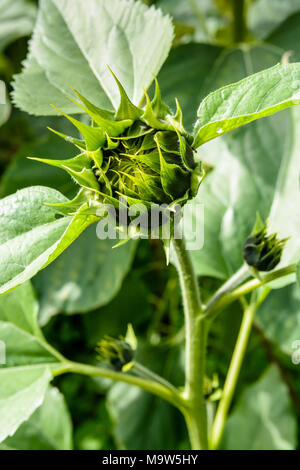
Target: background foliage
x=91 y=290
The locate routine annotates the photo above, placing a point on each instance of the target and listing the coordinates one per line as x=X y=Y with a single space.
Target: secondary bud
x=115 y=352
x=261 y=251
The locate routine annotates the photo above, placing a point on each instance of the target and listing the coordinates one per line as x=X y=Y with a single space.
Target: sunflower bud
x=142 y=155
x=261 y=251
x=115 y=352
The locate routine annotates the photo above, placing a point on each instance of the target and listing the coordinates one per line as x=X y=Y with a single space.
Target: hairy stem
x=168 y=393
x=240 y=276
x=246 y=288
x=143 y=371
x=195 y=335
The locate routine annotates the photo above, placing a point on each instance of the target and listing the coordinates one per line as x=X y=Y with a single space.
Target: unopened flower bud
x=115 y=352
x=261 y=251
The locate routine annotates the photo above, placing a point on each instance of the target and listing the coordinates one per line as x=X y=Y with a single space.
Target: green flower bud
x=115 y=352
x=141 y=154
x=261 y=251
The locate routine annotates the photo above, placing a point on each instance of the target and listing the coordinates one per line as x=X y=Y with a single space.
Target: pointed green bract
x=126 y=109
x=80 y=168
x=94 y=136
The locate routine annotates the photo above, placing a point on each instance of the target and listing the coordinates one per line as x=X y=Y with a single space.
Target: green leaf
x=22 y=391
x=256 y=169
x=285 y=37
x=250 y=162
x=188 y=64
x=73 y=43
x=17 y=20
x=131 y=305
x=265 y=414
x=252 y=98
x=5 y=110
x=279 y=317
x=264 y=16
x=28 y=361
x=31 y=237
x=21 y=308
x=22 y=172
x=88 y=275
x=130 y=408
x=49 y=428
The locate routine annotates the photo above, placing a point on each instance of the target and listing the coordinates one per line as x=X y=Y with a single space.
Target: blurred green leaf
x=184 y=76
x=21 y=307
x=49 y=428
x=66 y=52
x=26 y=372
x=21 y=172
x=88 y=275
x=263 y=418
x=22 y=391
x=4 y=112
x=17 y=20
x=249 y=165
x=264 y=16
x=256 y=169
x=279 y=317
x=131 y=305
x=141 y=420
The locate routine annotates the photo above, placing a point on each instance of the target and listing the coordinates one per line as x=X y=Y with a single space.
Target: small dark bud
x=115 y=352
x=261 y=251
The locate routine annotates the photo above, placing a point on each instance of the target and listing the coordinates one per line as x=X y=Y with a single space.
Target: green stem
x=232 y=377
x=196 y=336
x=169 y=394
x=239 y=29
x=149 y=374
x=246 y=288
x=240 y=276
x=234 y=369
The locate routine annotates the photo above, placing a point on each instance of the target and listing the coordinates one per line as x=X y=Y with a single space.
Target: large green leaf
x=254 y=97
x=21 y=308
x=22 y=172
x=249 y=166
x=30 y=234
x=25 y=376
x=131 y=305
x=130 y=408
x=265 y=15
x=86 y=276
x=257 y=168
x=285 y=37
x=22 y=391
x=279 y=317
x=49 y=428
x=194 y=70
x=75 y=40
x=184 y=76
x=4 y=111
x=263 y=419
x=16 y=20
